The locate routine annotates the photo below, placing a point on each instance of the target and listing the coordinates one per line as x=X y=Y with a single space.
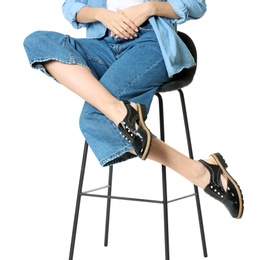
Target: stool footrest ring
x=132 y=199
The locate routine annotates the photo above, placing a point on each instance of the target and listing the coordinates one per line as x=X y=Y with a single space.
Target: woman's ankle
x=120 y=111
x=203 y=178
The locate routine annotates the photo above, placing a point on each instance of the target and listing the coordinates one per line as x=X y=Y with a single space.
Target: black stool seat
x=185 y=77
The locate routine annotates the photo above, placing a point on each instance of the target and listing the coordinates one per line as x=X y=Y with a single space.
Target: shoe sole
x=223 y=165
x=142 y=122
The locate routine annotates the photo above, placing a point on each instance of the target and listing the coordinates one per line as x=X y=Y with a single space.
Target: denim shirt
x=174 y=51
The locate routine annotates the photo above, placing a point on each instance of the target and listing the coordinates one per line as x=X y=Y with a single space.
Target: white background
x=41 y=148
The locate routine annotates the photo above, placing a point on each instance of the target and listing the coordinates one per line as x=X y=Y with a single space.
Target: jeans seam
x=140 y=75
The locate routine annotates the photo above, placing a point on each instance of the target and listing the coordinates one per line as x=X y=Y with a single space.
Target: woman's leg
x=69 y=61
x=211 y=177
x=82 y=82
x=80 y=64
x=192 y=170
x=210 y=174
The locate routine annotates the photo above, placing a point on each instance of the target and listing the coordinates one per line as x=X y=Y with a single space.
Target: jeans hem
x=117 y=158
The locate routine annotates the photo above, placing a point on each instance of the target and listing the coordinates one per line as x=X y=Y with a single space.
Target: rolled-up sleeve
x=70 y=8
x=188 y=9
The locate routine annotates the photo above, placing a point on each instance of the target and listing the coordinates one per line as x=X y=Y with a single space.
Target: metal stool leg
x=190 y=150
x=108 y=205
x=165 y=212
x=78 y=202
x=164 y=182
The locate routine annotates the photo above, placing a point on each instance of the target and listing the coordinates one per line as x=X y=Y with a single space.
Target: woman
x=131 y=48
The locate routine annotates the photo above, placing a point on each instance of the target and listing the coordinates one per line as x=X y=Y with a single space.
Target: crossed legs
x=105 y=114
x=82 y=82
x=210 y=174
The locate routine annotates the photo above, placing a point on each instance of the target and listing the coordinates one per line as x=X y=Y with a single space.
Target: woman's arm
x=177 y=10
x=163 y=9
x=90 y=14
x=138 y=14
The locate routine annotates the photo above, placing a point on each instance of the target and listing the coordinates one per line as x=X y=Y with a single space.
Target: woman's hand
x=119 y=24
x=138 y=14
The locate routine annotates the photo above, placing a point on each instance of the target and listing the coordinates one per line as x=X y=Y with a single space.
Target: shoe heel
x=221 y=159
x=144 y=112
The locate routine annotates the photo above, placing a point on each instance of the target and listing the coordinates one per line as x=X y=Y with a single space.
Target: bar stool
x=180 y=80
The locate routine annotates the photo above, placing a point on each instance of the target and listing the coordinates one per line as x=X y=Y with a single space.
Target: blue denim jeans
x=130 y=69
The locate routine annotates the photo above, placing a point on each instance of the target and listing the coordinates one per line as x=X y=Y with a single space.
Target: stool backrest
x=185 y=77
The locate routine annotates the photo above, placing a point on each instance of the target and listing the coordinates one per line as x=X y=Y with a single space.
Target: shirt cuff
x=71 y=16
x=180 y=8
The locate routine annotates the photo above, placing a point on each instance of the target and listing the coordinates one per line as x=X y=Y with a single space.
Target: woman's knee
x=42 y=40
x=33 y=39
